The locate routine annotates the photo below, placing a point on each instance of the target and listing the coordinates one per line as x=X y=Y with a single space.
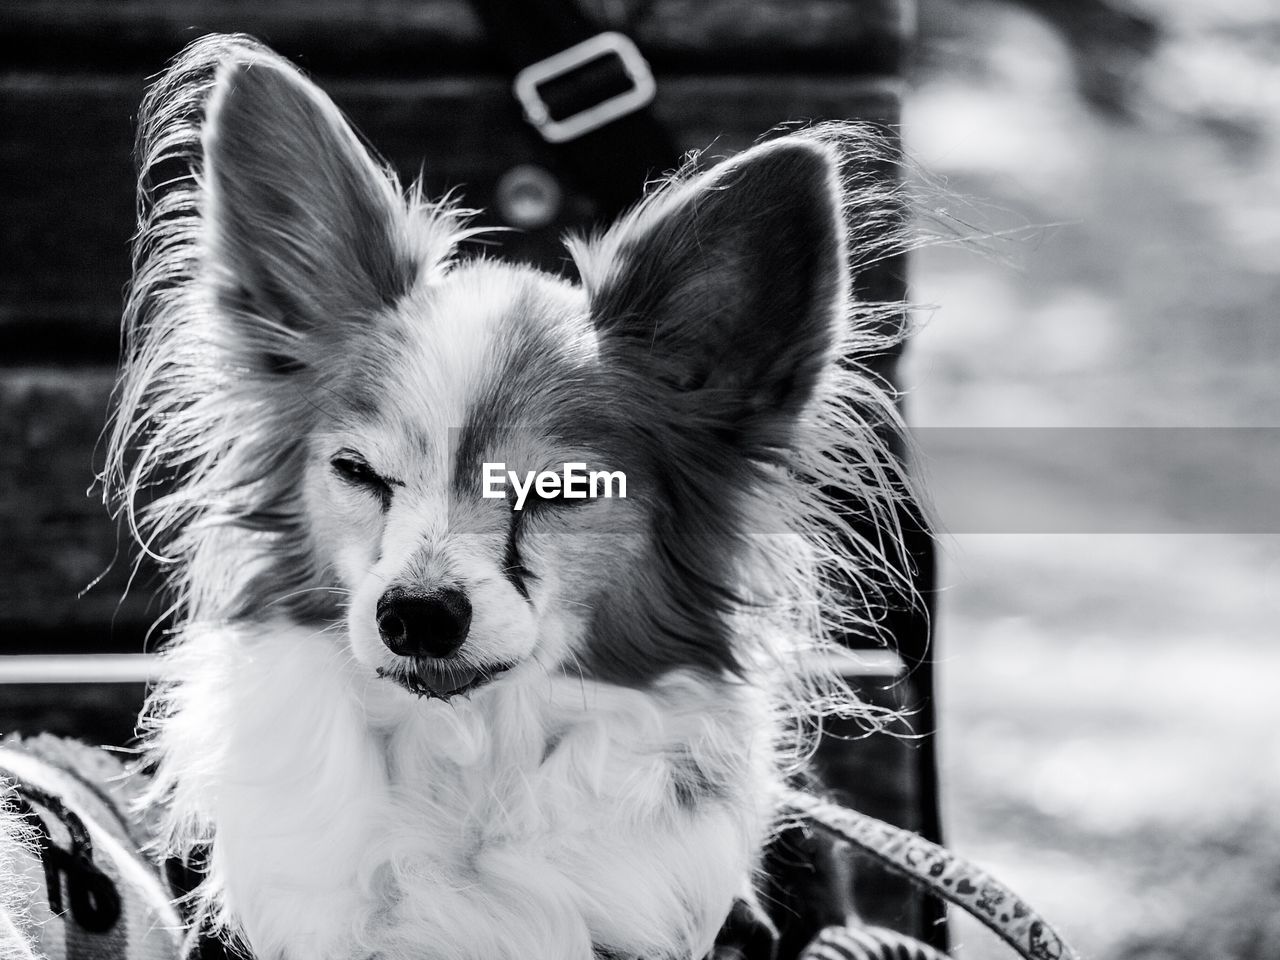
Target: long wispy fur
x=18 y=887
x=611 y=792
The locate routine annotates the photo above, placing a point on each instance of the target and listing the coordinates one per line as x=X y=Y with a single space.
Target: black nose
x=424 y=625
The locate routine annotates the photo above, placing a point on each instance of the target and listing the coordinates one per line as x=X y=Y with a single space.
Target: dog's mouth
x=442 y=679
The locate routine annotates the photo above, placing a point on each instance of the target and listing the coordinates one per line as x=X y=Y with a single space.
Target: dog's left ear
x=305 y=229
x=728 y=288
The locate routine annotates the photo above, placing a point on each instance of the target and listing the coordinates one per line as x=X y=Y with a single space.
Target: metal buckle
x=584 y=121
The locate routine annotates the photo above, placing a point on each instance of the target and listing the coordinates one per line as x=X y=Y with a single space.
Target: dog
x=421 y=700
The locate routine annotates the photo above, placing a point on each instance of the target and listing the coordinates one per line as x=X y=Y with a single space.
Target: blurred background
x=1109 y=714
x=1093 y=384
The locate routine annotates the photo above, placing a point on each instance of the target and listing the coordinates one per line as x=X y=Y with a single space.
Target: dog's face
x=394 y=379
x=449 y=587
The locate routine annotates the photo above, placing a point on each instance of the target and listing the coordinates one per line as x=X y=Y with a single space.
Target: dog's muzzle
x=426 y=631
x=442 y=679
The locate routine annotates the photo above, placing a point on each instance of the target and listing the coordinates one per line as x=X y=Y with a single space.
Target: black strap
x=612 y=163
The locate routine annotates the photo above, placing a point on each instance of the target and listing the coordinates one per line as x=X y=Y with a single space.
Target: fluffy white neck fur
x=541 y=817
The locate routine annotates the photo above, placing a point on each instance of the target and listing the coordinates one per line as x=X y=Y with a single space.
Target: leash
x=940 y=872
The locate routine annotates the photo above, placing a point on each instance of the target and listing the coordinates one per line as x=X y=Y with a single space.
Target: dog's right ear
x=727 y=289
x=306 y=231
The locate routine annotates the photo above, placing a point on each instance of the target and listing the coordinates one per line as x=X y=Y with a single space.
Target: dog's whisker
x=302 y=591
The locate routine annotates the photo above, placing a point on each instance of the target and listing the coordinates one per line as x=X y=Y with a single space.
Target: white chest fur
x=542 y=816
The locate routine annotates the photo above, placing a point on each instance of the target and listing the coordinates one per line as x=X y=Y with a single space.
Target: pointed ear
x=729 y=287
x=306 y=230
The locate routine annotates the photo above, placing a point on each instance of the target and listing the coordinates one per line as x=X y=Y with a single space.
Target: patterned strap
x=941 y=872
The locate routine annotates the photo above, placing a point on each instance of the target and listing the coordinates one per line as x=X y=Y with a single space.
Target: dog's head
x=338 y=388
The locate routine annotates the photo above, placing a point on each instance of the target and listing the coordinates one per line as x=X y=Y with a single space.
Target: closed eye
x=558 y=500
x=354 y=470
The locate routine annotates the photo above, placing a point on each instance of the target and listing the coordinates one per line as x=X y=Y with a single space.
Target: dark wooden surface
x=419 y=38
x=102 y=714
x=57 y=539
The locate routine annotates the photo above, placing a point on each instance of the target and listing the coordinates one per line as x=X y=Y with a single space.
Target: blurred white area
x=1110 y=713
x=1135 y=274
